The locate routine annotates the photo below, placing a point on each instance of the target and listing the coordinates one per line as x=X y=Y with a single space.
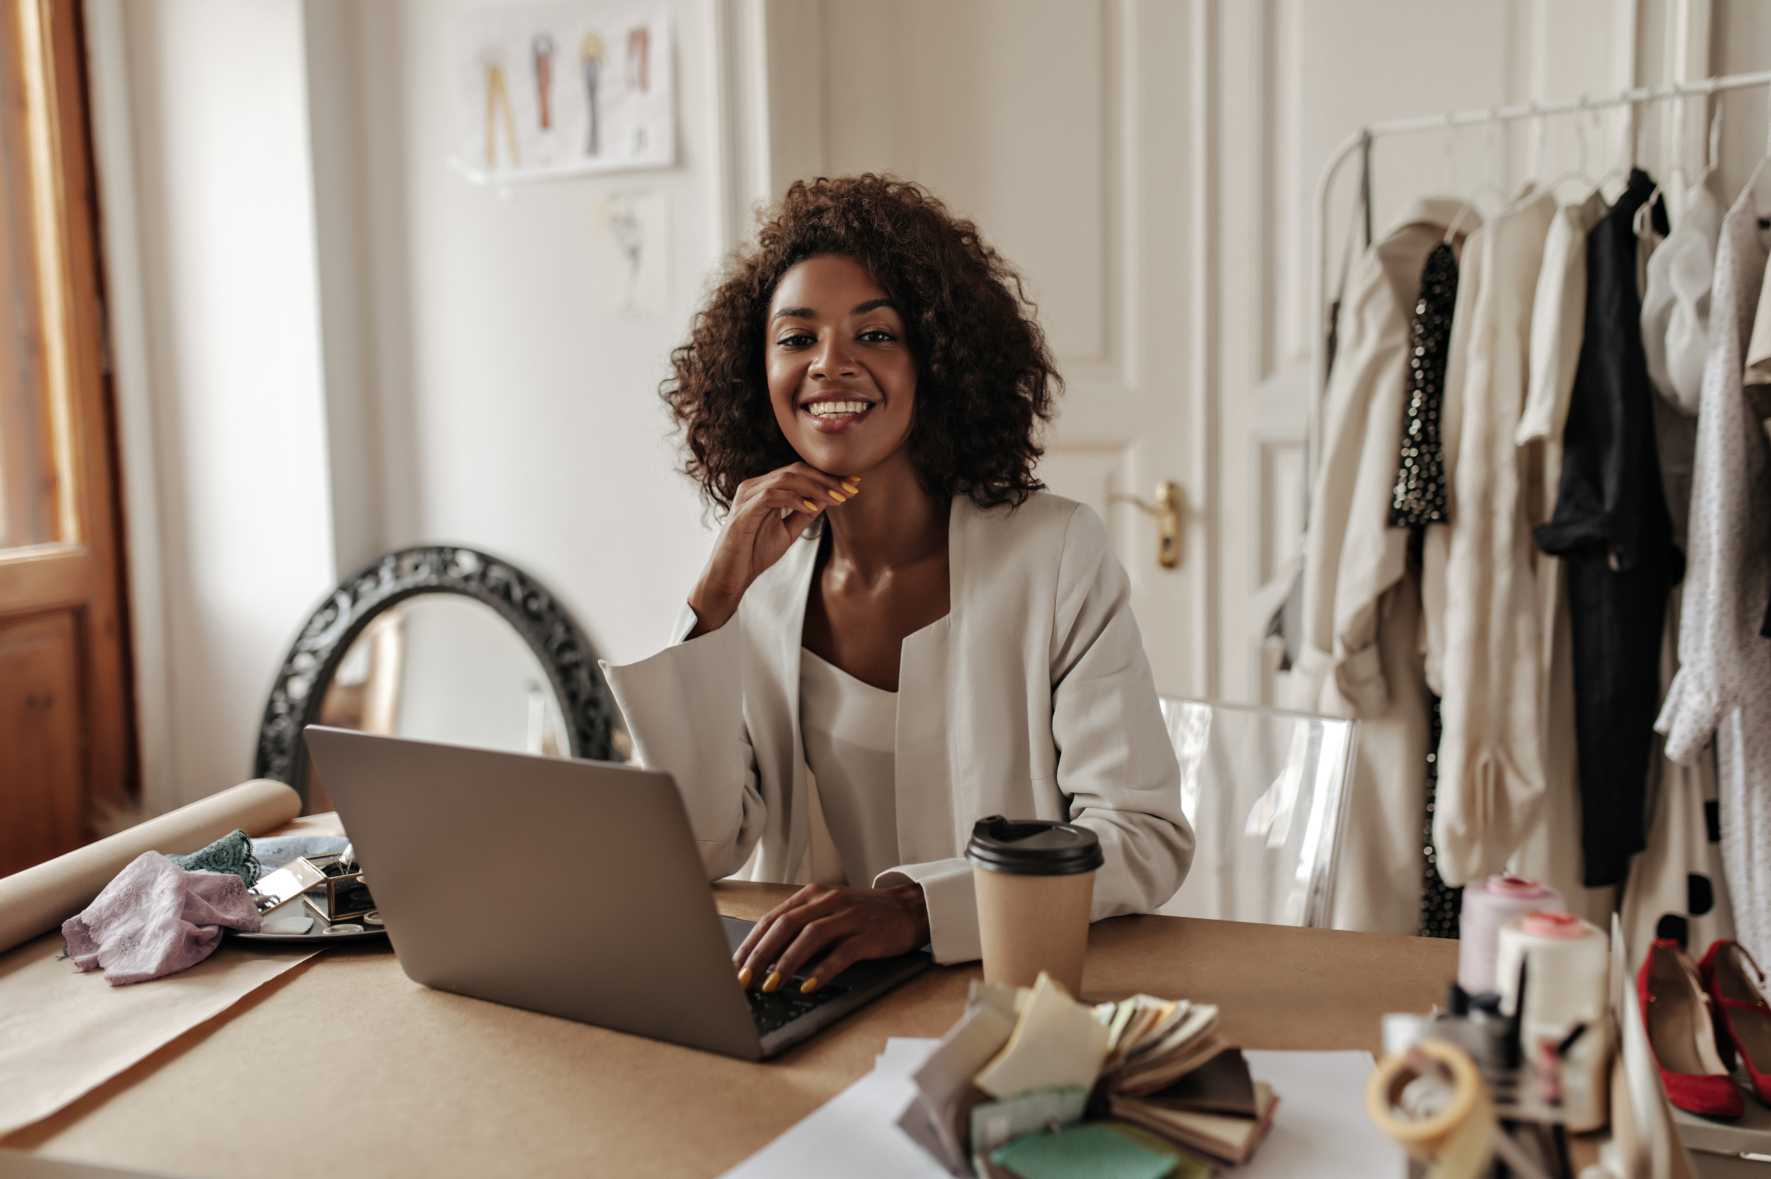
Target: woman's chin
x=841 y=454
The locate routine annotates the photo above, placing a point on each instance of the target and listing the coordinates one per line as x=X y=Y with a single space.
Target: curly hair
x=985 y=380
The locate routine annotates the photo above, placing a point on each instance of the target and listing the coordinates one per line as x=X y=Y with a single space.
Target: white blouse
x=850 y=730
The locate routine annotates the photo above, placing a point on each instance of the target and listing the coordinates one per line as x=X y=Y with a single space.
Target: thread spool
x=1487 y=907
x=1568 y=963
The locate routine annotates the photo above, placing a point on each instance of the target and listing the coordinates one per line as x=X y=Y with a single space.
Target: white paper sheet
x=1321 y=1129
x=855 y=1134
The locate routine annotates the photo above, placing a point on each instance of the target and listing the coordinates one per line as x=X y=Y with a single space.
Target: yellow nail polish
x=772 y=983
x=810 y=985
x=850 y=488
x=839 y=498
x=851 y=479
x=810 y=506
x=744 y=977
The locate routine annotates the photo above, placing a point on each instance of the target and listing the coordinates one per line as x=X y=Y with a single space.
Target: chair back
x=1266 y=794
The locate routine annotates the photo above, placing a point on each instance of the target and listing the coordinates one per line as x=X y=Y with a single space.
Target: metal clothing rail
x=1494 y=114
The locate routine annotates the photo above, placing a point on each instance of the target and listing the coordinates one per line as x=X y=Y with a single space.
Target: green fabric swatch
x=1092 y=1150
x=232 y=853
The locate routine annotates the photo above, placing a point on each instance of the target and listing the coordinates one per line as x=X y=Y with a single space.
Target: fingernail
x=810 y=506
x=850 y=488
x=772 y=983
x=839 y=498
x=852 y=479
x=810 y=985
x=744 y=977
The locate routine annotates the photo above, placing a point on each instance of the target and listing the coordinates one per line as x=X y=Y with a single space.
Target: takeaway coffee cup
x=1035 y=880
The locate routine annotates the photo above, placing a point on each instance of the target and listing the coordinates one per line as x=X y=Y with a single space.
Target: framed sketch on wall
x=563 y=89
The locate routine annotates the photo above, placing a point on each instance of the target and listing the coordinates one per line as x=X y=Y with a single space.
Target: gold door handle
x=1167 y=509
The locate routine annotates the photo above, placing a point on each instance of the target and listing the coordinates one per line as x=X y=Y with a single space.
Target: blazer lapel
x=924 y=757
x=773 y=647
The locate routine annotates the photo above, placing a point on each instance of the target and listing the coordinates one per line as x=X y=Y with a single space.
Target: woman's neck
x=890 y=524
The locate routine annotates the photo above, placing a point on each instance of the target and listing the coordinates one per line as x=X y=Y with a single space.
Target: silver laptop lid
x=568 y=887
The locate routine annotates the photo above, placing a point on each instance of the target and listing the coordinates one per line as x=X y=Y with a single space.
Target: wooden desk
x=435 y=1084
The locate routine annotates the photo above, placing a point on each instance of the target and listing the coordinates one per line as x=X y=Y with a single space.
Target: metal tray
x=317 y=929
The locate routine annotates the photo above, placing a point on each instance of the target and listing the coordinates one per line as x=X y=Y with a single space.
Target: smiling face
x=841 y=377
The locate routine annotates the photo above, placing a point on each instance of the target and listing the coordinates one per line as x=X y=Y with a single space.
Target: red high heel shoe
x=1674 y=1012
x=1742 y=1018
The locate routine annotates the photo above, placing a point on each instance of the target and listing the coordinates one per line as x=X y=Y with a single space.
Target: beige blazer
x=1032 y=698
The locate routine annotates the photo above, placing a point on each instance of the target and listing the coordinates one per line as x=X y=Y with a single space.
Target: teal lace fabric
x=232 y=854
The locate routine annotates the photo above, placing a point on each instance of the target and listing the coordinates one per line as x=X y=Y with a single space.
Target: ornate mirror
x=440 y=643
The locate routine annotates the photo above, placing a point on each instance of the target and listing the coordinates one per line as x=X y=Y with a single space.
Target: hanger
x=1540 y=152
x=1488 y=185
x=1759 y=169
x=1715 y=147
x=1626 y=164
x=1580 y=136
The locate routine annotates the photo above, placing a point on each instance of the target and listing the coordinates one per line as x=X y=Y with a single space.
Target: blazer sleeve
x=1116 y=765
x=684 y=709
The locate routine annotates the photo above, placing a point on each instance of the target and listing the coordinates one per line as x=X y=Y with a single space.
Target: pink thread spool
x=1487 y=907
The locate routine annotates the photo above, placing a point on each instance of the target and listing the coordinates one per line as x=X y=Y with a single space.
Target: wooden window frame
x=82 y=571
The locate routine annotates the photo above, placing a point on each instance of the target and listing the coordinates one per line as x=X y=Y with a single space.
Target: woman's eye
x=796 y=340
x=878 y=336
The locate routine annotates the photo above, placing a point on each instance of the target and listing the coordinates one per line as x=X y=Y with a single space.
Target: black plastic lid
x=1033 y=847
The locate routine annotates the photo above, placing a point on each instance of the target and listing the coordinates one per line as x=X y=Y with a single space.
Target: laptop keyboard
x=773 y=1012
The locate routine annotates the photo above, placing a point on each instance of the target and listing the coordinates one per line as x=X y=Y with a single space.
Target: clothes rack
x=1703 y=88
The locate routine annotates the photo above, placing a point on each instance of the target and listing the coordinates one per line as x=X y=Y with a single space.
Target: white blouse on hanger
x=1550 y=850
x=1676 y=307
x=1723 y=687
x=1491 y=775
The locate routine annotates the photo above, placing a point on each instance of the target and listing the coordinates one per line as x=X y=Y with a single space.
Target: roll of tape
x=1459 y=1137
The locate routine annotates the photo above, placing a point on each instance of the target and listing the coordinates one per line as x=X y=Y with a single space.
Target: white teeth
x=834 y=409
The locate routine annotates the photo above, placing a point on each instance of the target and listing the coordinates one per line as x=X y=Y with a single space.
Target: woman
x=898 y=632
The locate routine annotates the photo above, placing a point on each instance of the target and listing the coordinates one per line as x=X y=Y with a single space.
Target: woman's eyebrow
x=794 y=313
x=870 y=305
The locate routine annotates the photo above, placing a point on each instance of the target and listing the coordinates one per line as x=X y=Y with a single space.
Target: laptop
x=572 y=888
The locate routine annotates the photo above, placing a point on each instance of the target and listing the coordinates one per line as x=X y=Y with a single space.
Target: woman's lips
x=836 y=417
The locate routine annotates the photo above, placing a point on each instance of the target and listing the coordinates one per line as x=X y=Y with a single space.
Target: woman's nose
x=833 y=360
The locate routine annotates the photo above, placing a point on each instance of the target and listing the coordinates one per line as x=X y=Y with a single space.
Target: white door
x=1150 y=167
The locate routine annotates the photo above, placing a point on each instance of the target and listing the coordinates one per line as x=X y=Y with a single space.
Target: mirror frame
x=532 y=611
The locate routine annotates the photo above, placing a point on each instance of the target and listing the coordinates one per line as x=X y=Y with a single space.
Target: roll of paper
x=1487 y=907
x=39 y=899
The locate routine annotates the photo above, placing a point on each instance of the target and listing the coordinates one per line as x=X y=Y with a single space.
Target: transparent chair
x=1266 y=794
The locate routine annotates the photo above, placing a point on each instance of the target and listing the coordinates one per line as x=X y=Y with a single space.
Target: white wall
x=218 y=365
x=330 y=344
x=513 y=417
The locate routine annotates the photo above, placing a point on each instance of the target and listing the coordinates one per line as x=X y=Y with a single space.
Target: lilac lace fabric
x=155 y=919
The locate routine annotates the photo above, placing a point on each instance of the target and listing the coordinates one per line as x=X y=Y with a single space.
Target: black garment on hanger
x=1418 y=497
x=1612 y=529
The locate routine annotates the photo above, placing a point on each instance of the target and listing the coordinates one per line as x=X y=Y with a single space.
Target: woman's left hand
x=856 y=923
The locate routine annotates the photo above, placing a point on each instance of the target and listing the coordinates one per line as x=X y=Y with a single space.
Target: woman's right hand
x=757 y=534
